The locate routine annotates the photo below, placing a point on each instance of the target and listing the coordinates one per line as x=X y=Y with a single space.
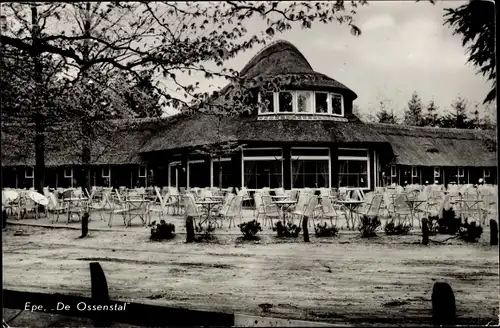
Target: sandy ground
x=384 y=280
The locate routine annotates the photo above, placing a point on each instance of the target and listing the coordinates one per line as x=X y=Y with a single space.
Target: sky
x=404 y=47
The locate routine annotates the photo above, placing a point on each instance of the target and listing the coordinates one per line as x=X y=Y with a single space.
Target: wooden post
x=189 y=229
x=443 y=304
x=4 y=219
x=493 y=232
x=100 y=295
x=85 y=224
x=425 y=232
x=305 y=229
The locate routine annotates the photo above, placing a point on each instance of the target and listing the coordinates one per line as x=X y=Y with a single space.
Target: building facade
x=303 y=134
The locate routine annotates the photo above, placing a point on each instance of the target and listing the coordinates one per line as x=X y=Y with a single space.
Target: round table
x=209 y=205
x=350 y=205
x=284 y=204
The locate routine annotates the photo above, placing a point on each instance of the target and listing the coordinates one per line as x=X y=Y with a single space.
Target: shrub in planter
x=288 y=230
x=162 y=231
x=397 y=229
x=368 y=226
x=205 y=233
x=470 y=231
x=250 y=229
x=449 y=224
x=325 y=231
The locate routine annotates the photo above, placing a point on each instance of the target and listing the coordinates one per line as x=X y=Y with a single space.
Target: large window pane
x=260 y=174
x=336 y=104
x=353 y=173
x=285 y=102
x=310 y=174
x=304 y=102
x=197 y=175
x=321 y=102
x=173 y=176
x=224 y=173
x=268 y=101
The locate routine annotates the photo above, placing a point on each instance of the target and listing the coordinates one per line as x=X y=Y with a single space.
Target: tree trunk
x=38 y=116
x=305 y=229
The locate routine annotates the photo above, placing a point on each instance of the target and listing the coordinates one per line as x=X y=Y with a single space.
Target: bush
x=250 y=229
x=205 y=233
x=325 y=231
x=162 y=231
x=289 y=230
x=449 y=224
x=397 y=229
x=433 y=225
x=368 y=226
x=470 y=232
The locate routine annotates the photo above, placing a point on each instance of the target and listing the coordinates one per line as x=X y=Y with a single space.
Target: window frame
x=26 y=176
x=109 y=172
x=438 y=175
x=414 y=171
x=261 y=158
x=365 y=159
x=145 y=171
x=486 y=175
x=68 y=176
x=311 y=158
x=215 y=161
x=462 y=173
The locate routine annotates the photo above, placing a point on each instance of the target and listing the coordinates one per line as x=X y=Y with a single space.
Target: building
x=305 y=135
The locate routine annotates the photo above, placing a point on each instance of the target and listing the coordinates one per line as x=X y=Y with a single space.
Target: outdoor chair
x=232 y=210
x=470 y=207
x=437 y=210
x=26 y=205
x=401 y=207
x=328 y=210
x=309 y=210
x=56 y=207
x=157 y=206
x=269 y=212
x=300 y=207
x=119 y=207
x=191 y=209
x=99 y=205
x=373 y=206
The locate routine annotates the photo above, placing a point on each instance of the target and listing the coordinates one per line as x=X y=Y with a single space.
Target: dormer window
x=268 y=102
x=285 y=102
x=302 y=102
x=336 y=101
x=321 y=102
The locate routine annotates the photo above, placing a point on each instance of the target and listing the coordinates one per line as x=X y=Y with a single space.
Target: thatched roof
x=424 y=146
x=282 y=65
x=118 y=143
x=129 y=139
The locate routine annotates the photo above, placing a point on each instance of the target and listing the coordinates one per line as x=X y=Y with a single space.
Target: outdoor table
x=279 y=197
x=208 y=205
x=216 y=197
x=137 y=207
x=284 y=205
x=413 y=204
x=11 y=195
x=351 y=206
x=469 y=204
x=73 y=202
